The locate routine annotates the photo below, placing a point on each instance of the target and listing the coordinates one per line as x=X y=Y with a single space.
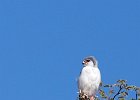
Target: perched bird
x=90 y=78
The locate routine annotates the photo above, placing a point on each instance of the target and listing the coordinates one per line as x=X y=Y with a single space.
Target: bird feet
x=83 y=96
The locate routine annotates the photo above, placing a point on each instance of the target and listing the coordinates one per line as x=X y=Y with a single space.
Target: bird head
x=90 y=61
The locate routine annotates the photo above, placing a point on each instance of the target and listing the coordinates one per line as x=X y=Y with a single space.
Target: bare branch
x=118 y=92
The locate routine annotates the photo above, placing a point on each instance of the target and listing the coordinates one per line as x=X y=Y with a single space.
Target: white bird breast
x=89 y=80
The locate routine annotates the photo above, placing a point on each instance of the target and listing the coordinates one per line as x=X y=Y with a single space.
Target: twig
x=136 y=96
x=117 y=92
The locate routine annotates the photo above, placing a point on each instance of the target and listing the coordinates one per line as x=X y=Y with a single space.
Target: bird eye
x=88 y=60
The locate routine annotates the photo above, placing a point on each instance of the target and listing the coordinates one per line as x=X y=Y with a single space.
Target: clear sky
x=43 y=42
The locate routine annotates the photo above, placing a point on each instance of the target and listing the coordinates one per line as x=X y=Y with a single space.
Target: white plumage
x=90 y=78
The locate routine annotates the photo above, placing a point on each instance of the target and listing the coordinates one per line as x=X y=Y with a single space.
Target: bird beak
x=84 y=62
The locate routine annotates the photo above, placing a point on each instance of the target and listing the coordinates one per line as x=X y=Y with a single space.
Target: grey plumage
x=93 y=59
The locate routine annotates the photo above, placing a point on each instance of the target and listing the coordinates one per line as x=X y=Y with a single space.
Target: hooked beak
x=84 y=62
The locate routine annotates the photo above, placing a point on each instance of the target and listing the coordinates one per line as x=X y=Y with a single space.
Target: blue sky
x=43 y=42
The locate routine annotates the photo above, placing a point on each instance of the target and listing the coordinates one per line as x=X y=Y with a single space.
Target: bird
x=90 y=78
